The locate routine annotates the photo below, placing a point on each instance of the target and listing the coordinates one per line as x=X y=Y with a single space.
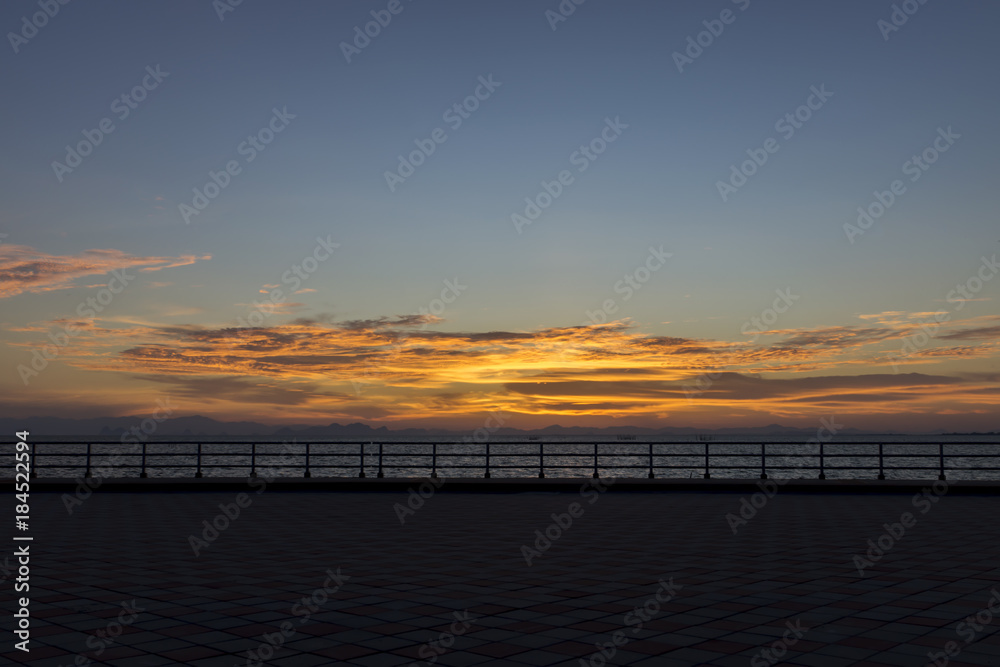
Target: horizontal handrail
x=358 y=457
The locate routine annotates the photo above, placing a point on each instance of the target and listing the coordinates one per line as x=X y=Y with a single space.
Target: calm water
x=514 y=457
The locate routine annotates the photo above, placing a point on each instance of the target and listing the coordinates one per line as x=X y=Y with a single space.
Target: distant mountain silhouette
x=197 y=425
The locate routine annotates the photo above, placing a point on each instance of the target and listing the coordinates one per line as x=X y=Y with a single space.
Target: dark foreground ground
x=452 y=585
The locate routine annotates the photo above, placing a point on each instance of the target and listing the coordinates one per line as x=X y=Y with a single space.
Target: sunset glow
x=282 y=229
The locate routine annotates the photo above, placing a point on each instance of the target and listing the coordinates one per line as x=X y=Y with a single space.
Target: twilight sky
x=261 y=213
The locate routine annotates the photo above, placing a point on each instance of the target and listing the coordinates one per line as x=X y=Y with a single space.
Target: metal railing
x=649 y=458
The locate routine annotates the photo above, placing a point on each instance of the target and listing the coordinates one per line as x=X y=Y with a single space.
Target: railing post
x=36 y=454
x=822 y=472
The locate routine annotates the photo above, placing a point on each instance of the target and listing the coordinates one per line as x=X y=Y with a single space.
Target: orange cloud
x=24 y=269
x=395 y=368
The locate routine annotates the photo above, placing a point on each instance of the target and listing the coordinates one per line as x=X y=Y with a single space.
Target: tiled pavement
x=401 y=584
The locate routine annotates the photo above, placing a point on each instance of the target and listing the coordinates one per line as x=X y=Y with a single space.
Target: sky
x=414 y=213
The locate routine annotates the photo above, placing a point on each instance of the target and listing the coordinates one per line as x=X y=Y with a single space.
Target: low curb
x=505 y=485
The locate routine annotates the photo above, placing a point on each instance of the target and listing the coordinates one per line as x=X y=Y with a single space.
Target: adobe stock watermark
x=564 y=10
x=963 y=292
x=756 y=325
x=123 y=106
x=223 y=7
x=429 y=485
x=759 y=324
x=103 y=638
x=372 y=29
x=436 y=307
x=639 y=615
x=773 y=654
x=563 y=522
x=417 y=498
x=581 y=158
x=249 y=148
x=968 y=630
x=915 y=167
x=482 y=434
x=630 y=283
x=714 y=28
x=900 y=15
x=293 y=279
x=824 y=434
x=305 y=608
x=440 y=645
x=748 y=508
x=881 y=545
x=86 y=310
x=787 y=125
x=30 y=27
x=449 y=293
x=913 y=343
x=454 y=115
x=230 y=512
x=769 y=488
x=138 y=434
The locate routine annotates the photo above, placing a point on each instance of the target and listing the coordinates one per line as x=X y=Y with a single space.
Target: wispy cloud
x=24 y=269
x=978 y=333
x=411 y=371
x=277 y=308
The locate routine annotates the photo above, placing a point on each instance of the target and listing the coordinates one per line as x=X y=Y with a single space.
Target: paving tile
x=793 y=561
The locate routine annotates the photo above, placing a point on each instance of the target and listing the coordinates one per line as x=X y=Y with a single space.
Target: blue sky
x=655 y=185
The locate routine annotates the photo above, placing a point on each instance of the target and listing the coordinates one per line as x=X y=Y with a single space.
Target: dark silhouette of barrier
x=359 y=458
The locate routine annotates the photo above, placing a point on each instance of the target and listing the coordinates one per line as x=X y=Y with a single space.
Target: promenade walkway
x=118 y=581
